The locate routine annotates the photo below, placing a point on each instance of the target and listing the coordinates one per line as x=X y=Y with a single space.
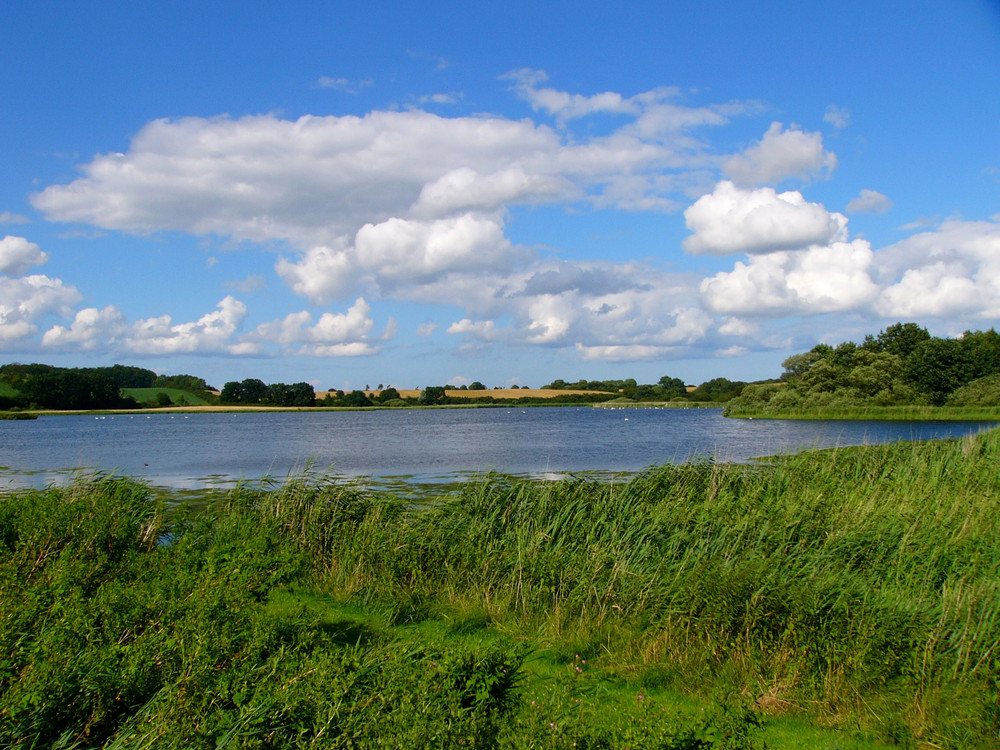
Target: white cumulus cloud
x=349 y=333
x=321 y=273
x=733 y=326
x=334 y=335
x=821 y=279
x=736 y=220
x=336 y=193
x=596 y=309
x=485 y=330
x=951 y=270
x=91 y=329
x=400 y=254
x=781 y=154
x=213 y=332
x=464 y=189
x=25 y=301
x=17 y=255
x=937 y=289
x=418 y=250
x=309 y=181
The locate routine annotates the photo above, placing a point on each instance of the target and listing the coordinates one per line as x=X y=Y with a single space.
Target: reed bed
x=859 y=585
x=861 y=411
x=864 y=581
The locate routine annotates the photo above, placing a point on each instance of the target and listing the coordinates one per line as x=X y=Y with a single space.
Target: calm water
x=201 y=450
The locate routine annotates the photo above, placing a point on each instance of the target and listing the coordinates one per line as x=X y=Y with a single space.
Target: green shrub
x=981 y=392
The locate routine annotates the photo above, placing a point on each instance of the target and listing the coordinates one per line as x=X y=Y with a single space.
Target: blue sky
x=413 y=194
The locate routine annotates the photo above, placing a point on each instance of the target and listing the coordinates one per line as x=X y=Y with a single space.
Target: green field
x=847 y=598
x=147 y=395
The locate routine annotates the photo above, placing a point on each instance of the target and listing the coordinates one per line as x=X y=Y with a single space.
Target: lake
x=411 y=446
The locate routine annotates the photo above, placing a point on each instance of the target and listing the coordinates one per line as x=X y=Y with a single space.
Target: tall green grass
x=970 y=412
x=861 y=585
x=863 y=581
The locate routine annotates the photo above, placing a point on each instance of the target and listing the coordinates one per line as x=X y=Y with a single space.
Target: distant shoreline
x=888 y=413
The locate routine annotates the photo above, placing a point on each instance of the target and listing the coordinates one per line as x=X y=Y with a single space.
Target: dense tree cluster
x=48 y=387
x=437 y=395
x=255 y=392
x=611 y=386
x=902 y=365
x=354 y=399
x=188 y=383
x=128 y=377
x=432 y=394
x=717 y=389
x=665 y=389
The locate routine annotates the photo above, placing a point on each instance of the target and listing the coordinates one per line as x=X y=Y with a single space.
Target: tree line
x=902 y=365
x=667 y=388
x=41 y=386
x=254 y=391
x=75 y=388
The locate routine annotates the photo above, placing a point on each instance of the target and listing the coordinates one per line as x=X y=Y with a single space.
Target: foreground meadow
x=846 y=598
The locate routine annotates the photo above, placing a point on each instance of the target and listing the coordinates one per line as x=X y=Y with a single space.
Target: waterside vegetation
x=846 y=598
x=902 y=373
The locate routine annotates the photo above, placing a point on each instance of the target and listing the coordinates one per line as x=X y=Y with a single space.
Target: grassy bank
x=842 y=598
x=176 y=395
x=901 y=413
